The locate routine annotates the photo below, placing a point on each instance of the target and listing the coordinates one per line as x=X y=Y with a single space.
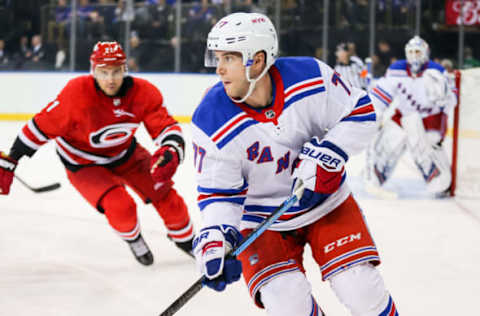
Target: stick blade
x=47 y=188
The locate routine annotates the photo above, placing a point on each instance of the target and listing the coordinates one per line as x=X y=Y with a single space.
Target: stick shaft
x=247 y=241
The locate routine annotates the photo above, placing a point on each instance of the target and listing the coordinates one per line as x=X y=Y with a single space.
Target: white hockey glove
x=210 y=247
x=321 y=168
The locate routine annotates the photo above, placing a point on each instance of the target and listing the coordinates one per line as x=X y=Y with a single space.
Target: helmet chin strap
x=252 y=82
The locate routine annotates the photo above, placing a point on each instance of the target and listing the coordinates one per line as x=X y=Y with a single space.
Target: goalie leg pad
x=429 y=157
x=289 y=294
x=384 y=152
x=440 y=177
x=361 y=289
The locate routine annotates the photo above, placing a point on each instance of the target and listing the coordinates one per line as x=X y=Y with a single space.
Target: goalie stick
x=46 y=188
x=249 y=239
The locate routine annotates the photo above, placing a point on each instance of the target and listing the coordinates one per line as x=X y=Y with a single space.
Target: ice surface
x=58 y=256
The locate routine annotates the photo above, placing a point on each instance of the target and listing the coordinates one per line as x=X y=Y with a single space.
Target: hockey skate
x=141 y=251
x=185 y=246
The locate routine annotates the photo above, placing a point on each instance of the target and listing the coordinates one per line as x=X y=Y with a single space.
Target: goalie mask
x=417 y=53
x=247 y=34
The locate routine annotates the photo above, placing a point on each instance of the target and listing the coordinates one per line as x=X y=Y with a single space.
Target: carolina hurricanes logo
x=112 y=135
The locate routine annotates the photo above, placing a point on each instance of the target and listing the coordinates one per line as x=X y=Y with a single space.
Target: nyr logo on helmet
x=112 y=135
x=259 y=20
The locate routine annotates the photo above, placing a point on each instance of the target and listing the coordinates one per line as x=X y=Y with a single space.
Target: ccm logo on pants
x=342 y=241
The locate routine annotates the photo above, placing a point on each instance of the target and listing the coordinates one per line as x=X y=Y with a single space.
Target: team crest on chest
x=270 y=114
x=117 y=102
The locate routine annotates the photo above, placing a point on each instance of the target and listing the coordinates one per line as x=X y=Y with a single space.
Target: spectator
x=400 y=10
x=23 y=53
x=89 y=23
x=3 y=54
x=135 y=53
x=382 y=58
x=38 y=51
x=352 y=50
x=469 y=61
x=62 y=17
x=122 y=15
x=106 y=11
x=447 y=64
x=355 y=14
x=38 y=57
x=350 y=69
x=160 y=14
x=246 y=5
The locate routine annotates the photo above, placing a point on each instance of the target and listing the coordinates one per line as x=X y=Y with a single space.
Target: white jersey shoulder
x=408 y=90
x=243 y=156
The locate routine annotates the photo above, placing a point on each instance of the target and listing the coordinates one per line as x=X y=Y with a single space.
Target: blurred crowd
x=35 y=34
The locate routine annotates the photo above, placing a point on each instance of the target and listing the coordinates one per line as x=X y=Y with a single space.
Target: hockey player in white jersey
x=423 y=97
x=266 y=118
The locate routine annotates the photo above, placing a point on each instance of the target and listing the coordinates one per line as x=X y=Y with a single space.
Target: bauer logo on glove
x=321 y=154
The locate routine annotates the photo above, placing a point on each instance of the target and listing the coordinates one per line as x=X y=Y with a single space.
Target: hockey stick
x=46 y=188
x=263 y=226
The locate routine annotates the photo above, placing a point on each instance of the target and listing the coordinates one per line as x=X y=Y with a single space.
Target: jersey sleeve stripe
x=36 y=131
x=231 y=124
x=27 y=141
x=388 y=95
x=236 y=200
x=363 y=110
x=335 y=148
x=228 y=137
x=170 y=130
x=304 y=85
x=361 y=118
x=206 y=190
x=303 y=94
x=77 y=156
x=363 y=101
x=379 y=93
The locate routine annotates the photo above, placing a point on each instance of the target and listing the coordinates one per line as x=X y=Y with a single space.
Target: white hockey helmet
x=417 y=53
x=245 y=33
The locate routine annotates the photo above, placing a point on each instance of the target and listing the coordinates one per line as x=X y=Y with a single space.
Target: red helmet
x=107 y=54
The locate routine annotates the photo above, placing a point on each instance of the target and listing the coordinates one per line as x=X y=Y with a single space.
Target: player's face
x=109 y=78
x=342 y=56
x=231 y=70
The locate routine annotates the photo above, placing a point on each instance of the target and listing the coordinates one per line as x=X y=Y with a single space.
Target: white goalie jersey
x=429 y=92
x=243 y=156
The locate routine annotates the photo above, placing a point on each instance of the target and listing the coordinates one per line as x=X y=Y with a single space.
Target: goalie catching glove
x=320 y=166
x=7 y=168
x=210 y=248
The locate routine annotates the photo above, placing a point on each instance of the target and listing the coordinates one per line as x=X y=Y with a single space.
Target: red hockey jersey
x=91 y=128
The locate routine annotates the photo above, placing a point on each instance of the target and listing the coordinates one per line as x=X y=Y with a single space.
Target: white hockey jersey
x=243 y=156
x=409 y=90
